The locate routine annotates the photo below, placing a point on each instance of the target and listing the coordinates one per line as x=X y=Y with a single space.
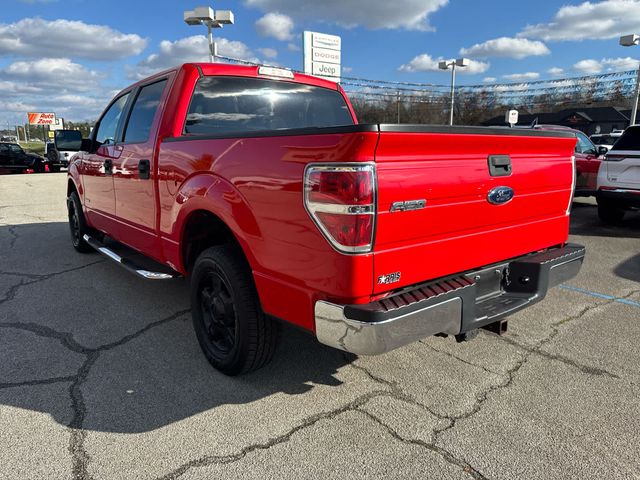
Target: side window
x=143 y=112
x=584 y=145
x=4 y=149
x=108 y=127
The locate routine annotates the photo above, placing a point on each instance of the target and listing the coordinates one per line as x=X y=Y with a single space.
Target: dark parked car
x=14 y=159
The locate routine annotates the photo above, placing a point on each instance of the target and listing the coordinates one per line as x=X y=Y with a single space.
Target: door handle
x=108 y=167
x=144 y=169
x=499 y=165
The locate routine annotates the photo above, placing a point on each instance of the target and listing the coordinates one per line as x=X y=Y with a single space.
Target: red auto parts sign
x=41 y=118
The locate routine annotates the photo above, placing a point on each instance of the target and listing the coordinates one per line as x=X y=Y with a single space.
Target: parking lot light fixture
x=212 y=19
x=631 y=41
x=444 y=65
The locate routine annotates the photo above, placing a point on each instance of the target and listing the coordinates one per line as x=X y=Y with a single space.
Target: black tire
x=610 y=212
x=54 y=169
x=38 y=167
x=233 y=332
x=77 y=224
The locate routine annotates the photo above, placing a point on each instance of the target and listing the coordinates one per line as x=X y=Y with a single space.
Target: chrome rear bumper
x=452 y=305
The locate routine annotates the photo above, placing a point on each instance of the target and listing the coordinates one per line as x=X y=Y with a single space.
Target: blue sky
x=71 y=56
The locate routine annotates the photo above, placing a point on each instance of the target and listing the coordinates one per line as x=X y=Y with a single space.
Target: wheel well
x=203 y=230
x=71 y=187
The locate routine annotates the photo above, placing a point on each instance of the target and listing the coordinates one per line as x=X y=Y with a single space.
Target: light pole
x=630 y=41
x=444 y=65
x=212 y=19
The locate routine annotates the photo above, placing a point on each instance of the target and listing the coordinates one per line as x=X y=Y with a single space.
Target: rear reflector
x=340 y=199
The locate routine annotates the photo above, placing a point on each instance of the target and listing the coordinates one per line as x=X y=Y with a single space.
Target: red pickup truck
x=260 y=186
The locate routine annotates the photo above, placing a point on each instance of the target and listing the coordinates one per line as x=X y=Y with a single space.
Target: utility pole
x=17 y=134
x=212 y=19
x=444 y=65
x=631 y=41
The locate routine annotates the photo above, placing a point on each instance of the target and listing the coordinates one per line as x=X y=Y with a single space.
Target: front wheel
x=233 y=332
x=77 y=225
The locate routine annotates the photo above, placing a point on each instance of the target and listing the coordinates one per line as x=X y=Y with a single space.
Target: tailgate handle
x=499 y=165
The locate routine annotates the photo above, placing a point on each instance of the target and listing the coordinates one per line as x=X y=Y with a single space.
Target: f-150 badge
x=408 y=205
x=389 y=278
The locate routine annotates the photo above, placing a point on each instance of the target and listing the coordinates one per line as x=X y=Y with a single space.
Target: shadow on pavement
x=145 y=378
x=585 y=221
x=630 y=268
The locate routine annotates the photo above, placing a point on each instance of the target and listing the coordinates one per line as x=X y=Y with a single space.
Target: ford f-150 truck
x=260 y=186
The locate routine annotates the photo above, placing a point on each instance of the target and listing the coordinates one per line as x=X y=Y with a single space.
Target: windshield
x=13 y=148
x=604 y=140
x=630 y=139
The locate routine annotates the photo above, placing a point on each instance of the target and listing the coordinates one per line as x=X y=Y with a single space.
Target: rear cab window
x=227 y=105
x=630 y=140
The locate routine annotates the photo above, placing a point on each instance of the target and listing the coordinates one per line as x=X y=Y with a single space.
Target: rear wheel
x=610 y=212
x=233 y=332
x=77 y=225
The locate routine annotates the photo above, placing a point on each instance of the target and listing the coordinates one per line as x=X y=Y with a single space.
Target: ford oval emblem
x=500 y=195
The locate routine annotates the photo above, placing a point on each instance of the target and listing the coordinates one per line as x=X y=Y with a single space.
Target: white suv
x=619 y=178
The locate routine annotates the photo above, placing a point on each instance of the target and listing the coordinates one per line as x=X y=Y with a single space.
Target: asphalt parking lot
x=102 y=377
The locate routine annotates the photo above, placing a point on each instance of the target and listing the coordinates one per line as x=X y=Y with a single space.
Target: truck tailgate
x=458 y=228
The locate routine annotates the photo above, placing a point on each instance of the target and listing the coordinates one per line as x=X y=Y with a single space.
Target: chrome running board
x=165 y=274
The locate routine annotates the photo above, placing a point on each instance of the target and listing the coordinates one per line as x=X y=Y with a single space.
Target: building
x=589 y=120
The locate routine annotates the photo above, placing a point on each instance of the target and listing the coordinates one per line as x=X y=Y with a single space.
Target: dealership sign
x=41 y=118
x=322 y=56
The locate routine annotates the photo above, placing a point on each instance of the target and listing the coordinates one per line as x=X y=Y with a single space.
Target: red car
x=260 y=186
x=588 y=160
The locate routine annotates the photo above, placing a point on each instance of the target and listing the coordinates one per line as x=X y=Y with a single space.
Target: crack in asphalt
x=537 y=349
x=507 y=380
x=79 y=456
x=444 y=453
x=285 y=437
x=32 y=383
x=14 y=236
x=13 y=290
x=482 y=397
x=466 y=362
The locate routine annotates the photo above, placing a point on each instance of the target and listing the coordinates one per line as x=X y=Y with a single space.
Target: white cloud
x=588 y=66
x=375 y=14
x=555 y=71
x=425 y=63
x=293 y=47
x=347 y=69
x=276 y=25
x=53 y=74
x=601 y=20
x=521 y=77
x=489 y=79
x=506 y=47
x=621 y=64
x=592 y=66
x=35 y=37
x=189 y=49
x=58 y=85
x=268 y=52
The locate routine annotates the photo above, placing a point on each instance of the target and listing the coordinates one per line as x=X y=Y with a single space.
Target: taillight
x=341 y=200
